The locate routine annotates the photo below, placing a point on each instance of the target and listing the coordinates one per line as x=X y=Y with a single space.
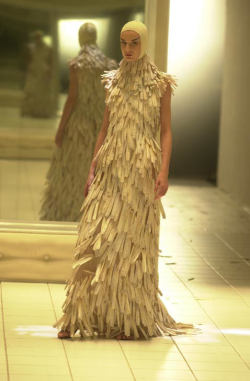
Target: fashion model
x=38 y=98
x=77 y=131
x=113 y=290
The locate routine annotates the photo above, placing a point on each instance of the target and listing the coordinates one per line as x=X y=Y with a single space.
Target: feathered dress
x=38 y=98
x=113 y=288
x=64 y=189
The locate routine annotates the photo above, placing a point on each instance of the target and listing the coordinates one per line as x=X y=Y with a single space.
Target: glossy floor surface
x=205 y=280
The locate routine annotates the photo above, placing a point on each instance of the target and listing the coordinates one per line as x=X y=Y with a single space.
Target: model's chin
x=130 y=59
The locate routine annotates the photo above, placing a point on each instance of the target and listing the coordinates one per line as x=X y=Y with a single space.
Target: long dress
x=113 y=288
x=38 y=98
x=69 y=167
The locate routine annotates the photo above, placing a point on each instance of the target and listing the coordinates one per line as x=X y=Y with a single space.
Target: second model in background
x=77 y=131
x=38 y=99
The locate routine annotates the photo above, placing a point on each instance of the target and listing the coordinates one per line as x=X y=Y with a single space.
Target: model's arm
x=161 y=185
x=99 y=141
x=68 y=107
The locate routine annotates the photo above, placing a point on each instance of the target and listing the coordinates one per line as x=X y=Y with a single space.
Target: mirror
x=38 y=39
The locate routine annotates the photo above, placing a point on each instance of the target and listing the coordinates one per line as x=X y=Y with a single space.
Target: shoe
x=63 y=334
x=122 y=336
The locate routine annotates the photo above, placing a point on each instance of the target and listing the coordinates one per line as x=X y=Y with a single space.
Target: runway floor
x=205 y=278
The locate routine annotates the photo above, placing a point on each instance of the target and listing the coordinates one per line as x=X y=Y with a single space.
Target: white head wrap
x=141 y=29
x=87 y=33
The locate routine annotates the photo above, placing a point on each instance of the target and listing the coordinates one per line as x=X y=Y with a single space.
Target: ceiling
x=66 y=5
x=38 y=12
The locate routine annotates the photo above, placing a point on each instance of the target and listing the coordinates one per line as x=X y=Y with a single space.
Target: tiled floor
x=205 y=278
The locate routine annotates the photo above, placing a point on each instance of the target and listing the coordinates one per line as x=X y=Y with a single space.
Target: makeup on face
x=140 y=30
x=130 y=45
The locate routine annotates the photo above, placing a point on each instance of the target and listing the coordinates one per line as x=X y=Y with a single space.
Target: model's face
x=38 y=39
x=130 y=45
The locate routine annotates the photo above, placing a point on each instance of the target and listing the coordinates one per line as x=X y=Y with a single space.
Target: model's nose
x=127 y=49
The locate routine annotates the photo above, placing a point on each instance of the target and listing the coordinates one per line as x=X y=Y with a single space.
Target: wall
x=195 y=56
x=234 y=138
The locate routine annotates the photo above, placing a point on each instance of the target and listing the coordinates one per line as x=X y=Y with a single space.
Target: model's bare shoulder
x=73 y=64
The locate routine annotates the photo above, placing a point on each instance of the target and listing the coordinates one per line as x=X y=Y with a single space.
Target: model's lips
x=128 y=55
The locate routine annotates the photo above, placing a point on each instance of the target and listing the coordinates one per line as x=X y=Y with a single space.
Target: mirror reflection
x=77 y=131
x=38 y=92
x=52 y=102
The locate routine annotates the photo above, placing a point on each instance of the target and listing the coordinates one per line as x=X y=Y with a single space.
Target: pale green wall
x=234 y=139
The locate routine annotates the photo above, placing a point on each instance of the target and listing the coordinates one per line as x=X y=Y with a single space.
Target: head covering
x=141 y=29
x=87 y=33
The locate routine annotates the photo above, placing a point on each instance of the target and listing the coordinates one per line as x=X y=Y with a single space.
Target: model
x=38 y=99
x=113 y=290
x=77 y=131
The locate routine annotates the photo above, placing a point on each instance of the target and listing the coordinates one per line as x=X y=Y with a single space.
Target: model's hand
x=161 y=185
x=59 y=138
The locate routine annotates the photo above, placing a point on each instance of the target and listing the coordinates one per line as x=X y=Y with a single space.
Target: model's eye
x=135 y=42
x=123 y=42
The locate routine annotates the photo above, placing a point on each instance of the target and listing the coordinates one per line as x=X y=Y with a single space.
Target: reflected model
x=113 y=290
x=77 y=131
x=38 y=98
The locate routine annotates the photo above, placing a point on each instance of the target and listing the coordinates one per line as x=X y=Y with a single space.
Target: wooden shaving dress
x=64 y=189
x=38 y=97
x=114 y=284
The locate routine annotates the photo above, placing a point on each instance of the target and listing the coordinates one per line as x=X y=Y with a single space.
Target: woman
x=77 y=131
x=38 y=98
x=113 y=290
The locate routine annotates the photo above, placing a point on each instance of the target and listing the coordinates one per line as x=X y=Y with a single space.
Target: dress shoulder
x=107 y=78
x=166 y=80
x=111 y=64
x=73 y=64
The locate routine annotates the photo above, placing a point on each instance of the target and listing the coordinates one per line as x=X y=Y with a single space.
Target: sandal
x=122 y=336
x=63 y=334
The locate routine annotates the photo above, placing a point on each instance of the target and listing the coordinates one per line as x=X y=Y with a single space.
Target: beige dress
x=69 y=167
x=38 y=99
x=114 y=283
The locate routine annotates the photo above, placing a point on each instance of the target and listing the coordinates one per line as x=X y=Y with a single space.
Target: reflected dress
x=39 y=98
x=64 y=189
x=113 y=288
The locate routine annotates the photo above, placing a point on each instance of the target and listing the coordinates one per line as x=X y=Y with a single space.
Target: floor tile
x=36 y=370
x=204 y=277
x=221 y=376
x=31 y=377
x=162 y=375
